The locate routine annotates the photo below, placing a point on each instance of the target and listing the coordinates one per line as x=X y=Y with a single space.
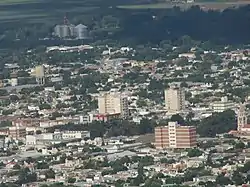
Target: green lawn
x=9 y=2
x=221 y=4
x=146 y=6
x=156 y=6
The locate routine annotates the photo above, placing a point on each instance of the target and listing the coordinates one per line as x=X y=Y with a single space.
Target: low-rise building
x=222 y=105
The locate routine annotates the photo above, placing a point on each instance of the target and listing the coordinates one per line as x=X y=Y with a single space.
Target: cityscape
x=110 y=136
x=113 y=96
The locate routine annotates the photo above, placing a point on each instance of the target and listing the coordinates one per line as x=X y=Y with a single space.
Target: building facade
x=17 y=132
x=175 y=136
x=222 y=105
x=242 y=125
x=40 y=74
x=175 y=99
x=113 y=103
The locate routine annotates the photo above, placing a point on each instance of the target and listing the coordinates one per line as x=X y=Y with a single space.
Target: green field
x=207 y=5
x=53 y=11
x=150 y=6
x=9 y=2
x=40 y=11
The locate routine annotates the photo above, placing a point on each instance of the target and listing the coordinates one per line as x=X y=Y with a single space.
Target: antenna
x=65 y=20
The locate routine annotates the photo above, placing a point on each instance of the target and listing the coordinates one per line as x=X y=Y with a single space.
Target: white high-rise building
x=175 y=99
x=113 y=103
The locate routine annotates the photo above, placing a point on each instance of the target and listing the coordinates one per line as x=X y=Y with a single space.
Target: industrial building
x=71 y=31
x=222 y=105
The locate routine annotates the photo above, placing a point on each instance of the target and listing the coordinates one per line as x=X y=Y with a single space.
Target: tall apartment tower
x=241 y=117
x=40 y=74
x=113 y=103
x=175 y=136
x=175 y=99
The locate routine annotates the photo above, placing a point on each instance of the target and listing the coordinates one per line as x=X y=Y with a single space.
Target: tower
x=40 y=74
x=175 y=99
x=113 y=103
x=241 y=117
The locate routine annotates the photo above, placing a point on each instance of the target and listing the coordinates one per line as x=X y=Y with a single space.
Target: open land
x=40 y=11
x=204 y=5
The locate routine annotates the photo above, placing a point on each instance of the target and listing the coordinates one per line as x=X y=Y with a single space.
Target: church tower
x=242 y=117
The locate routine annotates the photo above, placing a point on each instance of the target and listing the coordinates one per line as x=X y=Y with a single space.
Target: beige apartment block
x=175 y=99
x=113 y=103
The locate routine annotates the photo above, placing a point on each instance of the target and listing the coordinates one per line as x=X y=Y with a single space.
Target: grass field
x=205 y=5
x=53 y=11
x=9 y=2
x=40 y=11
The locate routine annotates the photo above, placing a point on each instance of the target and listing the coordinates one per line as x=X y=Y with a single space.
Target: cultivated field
x=9 y=2
x=220 y=5
x=36 y=11
x=53 y=11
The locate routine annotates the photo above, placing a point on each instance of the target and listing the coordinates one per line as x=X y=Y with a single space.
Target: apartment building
x=222 y=105
x=17 y=132
x=54 y=138
x=175 y=99
x=175 y=136
x=113 y=103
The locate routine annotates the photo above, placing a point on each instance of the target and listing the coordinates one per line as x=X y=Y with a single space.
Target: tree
x=190 y=116
x=222 y=180
x=25 y=176
x=96 y=129
x=145 y=126
x=3 y=92
x=140 y=177
x=245 y=168
x=178 y=118
x=17 y=167
x=237 y=178
x=44 y=106
x=71 y=180
x=42 y=165
x=23 y=74
x=184 y=84
x=167 y=161
x=141 y=103
x=240 y=145
x=5 y=123
x=218 y=123
x=14 y=98
x=147 y=160
x=50 y=174
x=194 y=152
